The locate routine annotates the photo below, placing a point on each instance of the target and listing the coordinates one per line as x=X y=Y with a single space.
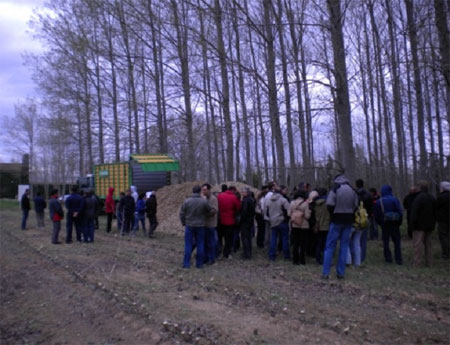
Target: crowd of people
x=305 y=223
x=311 y=222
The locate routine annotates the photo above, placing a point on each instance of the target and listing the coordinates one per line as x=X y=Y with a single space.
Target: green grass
x=9 y=204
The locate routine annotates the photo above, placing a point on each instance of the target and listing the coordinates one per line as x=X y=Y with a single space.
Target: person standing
x=229 y=207
x=247 y=220
x=443 y=218
x=407 y=205
x=299 y=212
x=366 y=199
x=39 y=206
x=322 y=224
x=211 y=238
x=261 y=225
x=277 y=210
x=389 y=214
x=140 y=214
x=193 y=214
x=110 y=208
x=127 y=208
x=74 y=203
x=373 y=226
x=56 y=215
x=423 y=220
x=119 y=212
x=151 y=207
x=25 y=206
x=268 y=230
x=89 y=213
x=342 y=202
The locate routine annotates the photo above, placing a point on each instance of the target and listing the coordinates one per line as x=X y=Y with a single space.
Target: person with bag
x=322 y=223
x=56 y=215
x=354 y=253
x=389 y=215
x=299 y=213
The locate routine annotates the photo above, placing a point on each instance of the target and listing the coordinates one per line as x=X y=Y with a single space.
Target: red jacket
x=110 y=205
x=229 y=206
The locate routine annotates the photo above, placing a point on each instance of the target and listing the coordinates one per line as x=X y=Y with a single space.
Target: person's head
x=74 y=189
x=322 y=191
x=284 y=190
x=359 y=183
x=423 y=186
x=265 y=188
x=224 y=188
x=141 y=196
x=271 y=186
x=300 y=193
x=373 y=191
x=54 y=193
x=245 y=191
x=206 y=190
x=232 y=189
x=196 y=189
x=413 y=189
x=128 y=192
x=122 y=194
x=313 y=196
x=27 y=191
x=444 y=186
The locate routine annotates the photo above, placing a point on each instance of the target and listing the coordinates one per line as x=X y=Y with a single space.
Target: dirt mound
x=170 y=198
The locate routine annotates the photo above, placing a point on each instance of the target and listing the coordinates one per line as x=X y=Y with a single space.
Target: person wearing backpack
x=354 y=253
x=342 y=202
x=389 y=215
x=366 y=199
x=322 y=223
x=299 y=213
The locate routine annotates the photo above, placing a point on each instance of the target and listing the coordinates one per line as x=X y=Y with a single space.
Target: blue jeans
x=210 y=244
x=139 y=218
x=393 y=232
x=354 y=250
x=363 y=244
x=119 y=217
x=337 y=232
x=191 y=234
x=24 y=218
x=283 y=231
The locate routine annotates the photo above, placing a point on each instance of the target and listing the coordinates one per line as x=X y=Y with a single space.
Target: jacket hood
x=341 y=179
x=275 y=196
x=313 y=195
x=386 y=190
x=321 y=201
x=445 y=185
x=133 y=189
x=110 y=191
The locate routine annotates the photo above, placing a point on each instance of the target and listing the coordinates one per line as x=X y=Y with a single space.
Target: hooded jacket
x=276 y=208
x=25 y=202
x=194 y=211
x=229 y=206
x=109 y=202
x=134 y=193
x=248 y=210
x=151 y=206
x=342 y=202
x=322 y=214
x=301 y=205
x=390 y=204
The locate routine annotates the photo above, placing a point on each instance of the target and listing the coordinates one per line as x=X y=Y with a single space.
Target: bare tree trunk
x=225 y=89
x=412 y=32
x=101 y=148
x=145 y=104
x=272 y=93
x=342 y=96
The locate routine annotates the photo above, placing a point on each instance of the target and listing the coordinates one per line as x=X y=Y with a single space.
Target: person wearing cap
x=443 y=218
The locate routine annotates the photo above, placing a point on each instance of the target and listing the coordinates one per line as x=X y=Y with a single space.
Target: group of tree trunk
x=249 y=90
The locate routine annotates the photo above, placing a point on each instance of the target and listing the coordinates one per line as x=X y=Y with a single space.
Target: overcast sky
x=15 y=39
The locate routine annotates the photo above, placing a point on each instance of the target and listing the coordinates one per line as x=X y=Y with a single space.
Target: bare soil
x=134 y=291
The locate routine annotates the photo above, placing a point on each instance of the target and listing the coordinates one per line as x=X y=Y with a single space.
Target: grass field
x=134 y=291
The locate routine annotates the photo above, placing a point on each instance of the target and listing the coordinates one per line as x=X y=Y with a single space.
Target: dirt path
x=133 y=291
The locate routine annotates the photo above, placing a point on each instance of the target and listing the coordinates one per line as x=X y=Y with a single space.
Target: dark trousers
x=40 y=219
x=246 y=235
x=24 y=219
x=311 y=242
x=128 y=220
x=373 y=228
x=70 y=223
x=444 y=239
x=109 y=217
x=119 y=217
x=299 y=245
x=236 y=238
x=55 y=233
x=210 y=244
x=393 y=232
x=220 y=239
x=227 y=233
x=261 y=234
x=320 y=248
x=89 y=228
x=153 y=224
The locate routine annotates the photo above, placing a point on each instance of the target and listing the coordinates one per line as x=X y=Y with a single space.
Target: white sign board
x=22 y=189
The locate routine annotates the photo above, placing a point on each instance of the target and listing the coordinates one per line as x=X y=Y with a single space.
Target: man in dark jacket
x=151 y=207
x=373 y=226
x=366 y=199
x=56 y=215
x=110 y=208
x=25 y=206
x=443 y=218
x=407 y=205
x=423 y=220
x=247 y=220
x=389 y=214
x=39 y=207
x=90 y=211
x=193 y=216
x=74 y=203
x=127 y=207
x=342 y=202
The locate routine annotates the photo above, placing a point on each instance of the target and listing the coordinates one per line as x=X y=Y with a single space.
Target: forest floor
x=133 y=291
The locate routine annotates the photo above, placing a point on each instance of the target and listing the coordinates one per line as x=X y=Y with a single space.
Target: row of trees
x=249 y=90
